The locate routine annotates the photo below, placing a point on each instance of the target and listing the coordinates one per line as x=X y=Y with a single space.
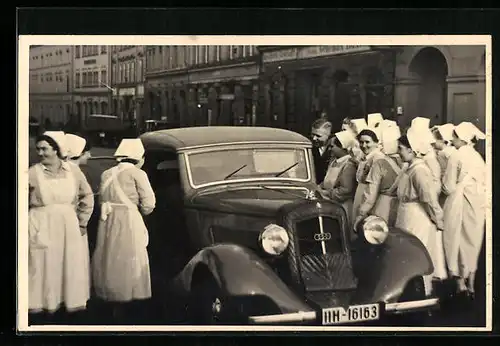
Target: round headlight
x=274 y=239
x=375 y=230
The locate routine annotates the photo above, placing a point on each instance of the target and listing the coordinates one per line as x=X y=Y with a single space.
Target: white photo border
x=24 y=41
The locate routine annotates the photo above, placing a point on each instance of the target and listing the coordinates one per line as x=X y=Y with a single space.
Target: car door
x=169 y=240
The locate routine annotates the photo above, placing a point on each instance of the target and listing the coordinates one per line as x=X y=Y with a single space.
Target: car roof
x=203 y=136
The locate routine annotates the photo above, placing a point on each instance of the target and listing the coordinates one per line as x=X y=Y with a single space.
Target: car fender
x=384 y=270
x=240 y=272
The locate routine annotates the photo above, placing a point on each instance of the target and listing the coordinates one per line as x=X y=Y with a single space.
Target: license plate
x=354 y=313
x=101 y=134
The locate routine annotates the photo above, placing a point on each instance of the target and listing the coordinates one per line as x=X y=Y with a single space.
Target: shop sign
x=127 y=92
x=226 y=97
x=314 y=51
x=311 y=52
x=280 y=55
x=140 y=90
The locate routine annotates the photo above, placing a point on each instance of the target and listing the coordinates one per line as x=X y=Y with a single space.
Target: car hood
x=260 y=201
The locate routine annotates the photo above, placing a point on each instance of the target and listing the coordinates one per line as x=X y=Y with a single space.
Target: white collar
x=343 y=158
x=375 y=152
x=64 y=165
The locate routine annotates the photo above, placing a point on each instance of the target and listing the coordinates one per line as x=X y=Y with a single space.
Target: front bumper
x=315 y=317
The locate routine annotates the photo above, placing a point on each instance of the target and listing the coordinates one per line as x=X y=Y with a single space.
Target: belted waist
x=52 y=205
x=107 y=208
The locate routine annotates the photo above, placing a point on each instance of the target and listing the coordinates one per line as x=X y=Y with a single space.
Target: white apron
x=412 y=218
x=463 y=228
x=121 y=263
x=331 y=178
x=57 y=272
x=86 y=252
x=386 y=206
x=360 y=190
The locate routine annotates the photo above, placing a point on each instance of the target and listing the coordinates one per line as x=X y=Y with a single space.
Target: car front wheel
x=206 y=303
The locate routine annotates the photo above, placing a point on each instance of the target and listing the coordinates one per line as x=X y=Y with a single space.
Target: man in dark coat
x=321 y=131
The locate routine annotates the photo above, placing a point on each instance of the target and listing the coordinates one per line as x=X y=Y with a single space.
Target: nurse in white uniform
x=465 y=208
x=120 y=263
x=419 y=212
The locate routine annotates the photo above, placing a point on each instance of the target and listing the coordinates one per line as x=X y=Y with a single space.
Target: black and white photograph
x=257 y=182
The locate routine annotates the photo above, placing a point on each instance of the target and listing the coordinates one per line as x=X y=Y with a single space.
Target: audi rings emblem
x=322 y=236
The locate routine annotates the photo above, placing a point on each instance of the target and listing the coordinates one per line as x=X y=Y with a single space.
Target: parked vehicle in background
x=239 y=236
x=156 y=125
x=107 y=130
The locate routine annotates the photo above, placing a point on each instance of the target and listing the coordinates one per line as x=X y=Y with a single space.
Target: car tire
x=206 y=301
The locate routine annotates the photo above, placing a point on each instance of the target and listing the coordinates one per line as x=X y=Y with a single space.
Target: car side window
x=163 y=170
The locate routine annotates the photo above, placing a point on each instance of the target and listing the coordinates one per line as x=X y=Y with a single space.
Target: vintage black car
x=239 y=236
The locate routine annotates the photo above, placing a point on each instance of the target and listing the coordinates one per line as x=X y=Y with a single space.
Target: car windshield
x=219 y=165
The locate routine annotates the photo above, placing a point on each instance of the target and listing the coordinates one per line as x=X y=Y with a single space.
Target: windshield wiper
x=287 y=169
x=282 y=191
x=234 y=172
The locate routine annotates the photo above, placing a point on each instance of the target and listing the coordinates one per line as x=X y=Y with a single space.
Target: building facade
x=444 y=83
x=50 y=85
x=202 y=85
x=128 y=75
x=299 y=84
x=92 y=90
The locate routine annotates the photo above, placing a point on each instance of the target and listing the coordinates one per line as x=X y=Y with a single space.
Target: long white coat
x=464 y=210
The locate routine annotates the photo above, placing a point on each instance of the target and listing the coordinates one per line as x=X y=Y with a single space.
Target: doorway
x=431 y=68
x=307 y=86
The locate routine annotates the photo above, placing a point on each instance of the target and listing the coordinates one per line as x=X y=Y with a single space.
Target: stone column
x=254 y=112
x=213 y=105
x=181 y=96
x=164 y=102
x=290 y=100
x=238 y=106
x=191 y=105
x=225 y=112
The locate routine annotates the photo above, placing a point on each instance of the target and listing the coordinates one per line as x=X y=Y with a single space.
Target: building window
x=95 y=78
x=141 y=71
x=115 y=75
x=224 y=52
x=247 y=51
x=104 y=49
x=134 y=75
x=192 y=55
x=121 y=73
x=201 y=55
x=148 y=58
x=104 y=76
x=123 y=78
x=212 y=54
x=84 y=79
x=174 y=56
x=77 y=51
x=236 y=52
